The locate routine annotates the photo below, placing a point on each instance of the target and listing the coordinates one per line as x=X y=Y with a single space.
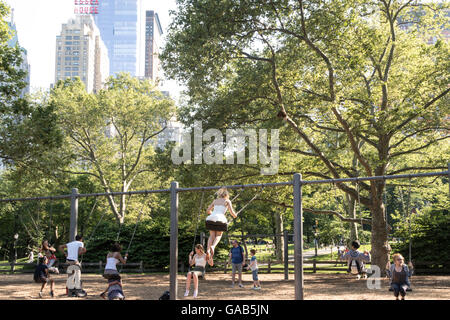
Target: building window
x=68 y=37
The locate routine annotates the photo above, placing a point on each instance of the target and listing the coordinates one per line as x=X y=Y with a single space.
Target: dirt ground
x=218 y=287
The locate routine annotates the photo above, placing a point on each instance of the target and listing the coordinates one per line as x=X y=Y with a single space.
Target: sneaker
x=40 y=294
x=195 y=294
x=186 y=293
x=257 y=288
x=241 y=285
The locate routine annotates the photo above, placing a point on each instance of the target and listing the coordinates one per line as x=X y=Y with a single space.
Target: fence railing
x=87 y=267
x=265 y=266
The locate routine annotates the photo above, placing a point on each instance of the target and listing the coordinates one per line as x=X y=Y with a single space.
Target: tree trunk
x=279 y=241
x=351 y=213
x=379 y=239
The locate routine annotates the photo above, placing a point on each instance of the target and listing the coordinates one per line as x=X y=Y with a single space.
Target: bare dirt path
x=218 y=287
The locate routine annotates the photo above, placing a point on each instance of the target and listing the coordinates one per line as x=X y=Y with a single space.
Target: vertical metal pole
x=173 y=240
x=73 y=215
x=298 y=236
x=286 y=255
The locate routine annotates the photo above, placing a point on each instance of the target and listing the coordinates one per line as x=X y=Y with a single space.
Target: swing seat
x=202 y=275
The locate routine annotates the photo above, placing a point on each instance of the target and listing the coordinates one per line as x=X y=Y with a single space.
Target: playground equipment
x=297 y=183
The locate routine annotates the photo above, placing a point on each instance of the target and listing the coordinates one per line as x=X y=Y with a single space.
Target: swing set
x=296 y=183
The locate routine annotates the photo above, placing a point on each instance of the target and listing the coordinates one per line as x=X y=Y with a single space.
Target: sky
x=38 y=22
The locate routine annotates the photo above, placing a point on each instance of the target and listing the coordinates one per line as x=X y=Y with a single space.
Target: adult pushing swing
x=74 y=250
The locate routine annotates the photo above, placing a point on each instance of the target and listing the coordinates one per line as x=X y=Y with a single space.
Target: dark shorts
x=255 y=275
x=42 y=280
x=216 y=226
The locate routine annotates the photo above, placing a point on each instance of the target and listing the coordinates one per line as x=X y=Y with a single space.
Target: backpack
x=354 y=267
x=165 y=296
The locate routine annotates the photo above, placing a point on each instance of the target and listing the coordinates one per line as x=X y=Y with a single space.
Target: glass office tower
x=117 y=21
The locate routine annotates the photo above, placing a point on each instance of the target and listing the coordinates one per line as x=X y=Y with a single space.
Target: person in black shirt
x=41 y=275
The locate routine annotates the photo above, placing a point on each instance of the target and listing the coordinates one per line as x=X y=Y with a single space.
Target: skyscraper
x=25 y=65
x=153 y=33
x=80 y=52
x=118 y=22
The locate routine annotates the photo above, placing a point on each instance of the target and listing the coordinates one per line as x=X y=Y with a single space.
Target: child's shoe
x=195 y=294
x=40 y=294
x=186 y=293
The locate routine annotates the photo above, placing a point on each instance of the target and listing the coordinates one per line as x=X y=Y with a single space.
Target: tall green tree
x=111 y=135
x=26 y=128
x=343 y=77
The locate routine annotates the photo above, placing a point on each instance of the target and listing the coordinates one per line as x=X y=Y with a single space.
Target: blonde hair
x=223 y=193
x=396 y=256
x=200 y=247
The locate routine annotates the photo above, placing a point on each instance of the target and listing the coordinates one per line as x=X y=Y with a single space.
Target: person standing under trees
x=237 y=258
x=74 y=250
x=399 y=274
x=216 y=222
x=254 y=267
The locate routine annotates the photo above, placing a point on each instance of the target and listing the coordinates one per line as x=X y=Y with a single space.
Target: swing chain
x=198 y=217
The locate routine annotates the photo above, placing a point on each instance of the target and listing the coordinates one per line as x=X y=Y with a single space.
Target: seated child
x=356 y=260
x=41 y=275
x=399 y=274
x=199 y=260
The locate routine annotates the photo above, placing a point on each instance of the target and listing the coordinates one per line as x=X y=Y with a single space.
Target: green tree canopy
x=111 y=135
x=343 y=78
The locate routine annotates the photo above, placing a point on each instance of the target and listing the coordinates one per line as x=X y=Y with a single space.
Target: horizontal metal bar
x=236 y=186
x=357 y=179
x=86 y=195
x=122 y=193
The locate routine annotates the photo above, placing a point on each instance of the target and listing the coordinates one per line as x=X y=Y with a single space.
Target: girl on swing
x=216 y=222
x=48 y=251
x=199 y=260
x=111 y=274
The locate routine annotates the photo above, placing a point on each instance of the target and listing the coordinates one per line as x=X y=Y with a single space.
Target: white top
x=111 y=263
x=253 y=264
x=200 y=261
x=218 y=214
x=72 y=249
